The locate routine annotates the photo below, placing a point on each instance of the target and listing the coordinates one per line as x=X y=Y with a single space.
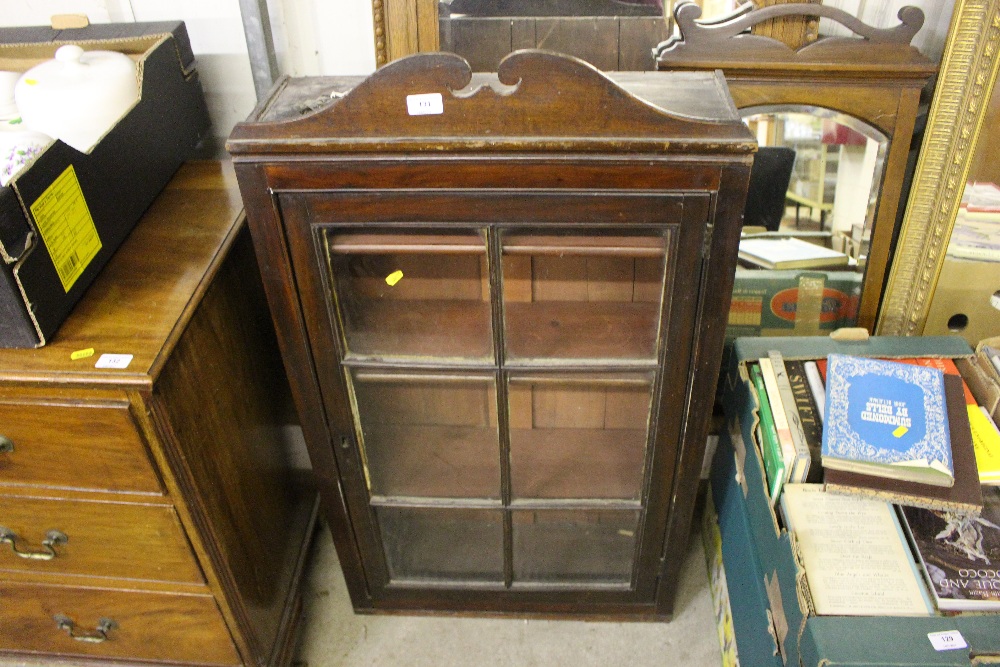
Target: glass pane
x=428 y=435
x=442 y=544
x=574 y=297
x=808 y=221
x=415 y=295
x=582 y=437
x=574 y=546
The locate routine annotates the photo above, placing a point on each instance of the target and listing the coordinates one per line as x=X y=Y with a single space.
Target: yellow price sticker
x=900 y=431
x=82 y=354
x=66 y=226
x=394 y=278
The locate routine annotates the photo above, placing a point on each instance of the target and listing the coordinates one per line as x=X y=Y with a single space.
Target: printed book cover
x=856 y=558
x=777 y=408
x=960 y=554
x=801 y=458
x=965 y=495
x=809 y=417
x=887 y=419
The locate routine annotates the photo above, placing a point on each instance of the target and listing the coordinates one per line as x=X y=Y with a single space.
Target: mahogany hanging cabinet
x=501 y=300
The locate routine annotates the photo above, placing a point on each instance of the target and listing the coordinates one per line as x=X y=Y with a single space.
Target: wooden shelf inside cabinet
x=176 y=479
x=507 y=315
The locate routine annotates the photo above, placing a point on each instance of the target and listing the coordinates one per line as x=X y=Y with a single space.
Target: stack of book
x=894 y=458
x=790 y=428
x=908 y=430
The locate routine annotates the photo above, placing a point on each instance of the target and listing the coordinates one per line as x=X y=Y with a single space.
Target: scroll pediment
x=536 y=98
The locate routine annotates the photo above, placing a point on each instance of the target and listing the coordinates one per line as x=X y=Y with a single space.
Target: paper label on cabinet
x=66 y=226
x=947 y=641
x=119 y=361
x=427 y=104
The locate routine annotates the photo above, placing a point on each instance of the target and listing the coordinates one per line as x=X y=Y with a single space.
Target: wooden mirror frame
x=876 y=78
x=961 y=99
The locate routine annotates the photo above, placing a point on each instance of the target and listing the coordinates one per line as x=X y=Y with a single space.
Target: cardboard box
x=711 y=538
x=106 y=190
x=966 y=301
x=768 y=303
x=983 y=377
x=756 y=642
x=767 y=554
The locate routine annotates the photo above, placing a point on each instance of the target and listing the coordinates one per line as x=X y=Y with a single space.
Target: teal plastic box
x=769 y=554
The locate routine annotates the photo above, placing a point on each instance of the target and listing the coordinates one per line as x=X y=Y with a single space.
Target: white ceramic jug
x=78 y=96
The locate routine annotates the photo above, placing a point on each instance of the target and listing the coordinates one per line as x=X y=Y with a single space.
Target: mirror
x=816 y=178
x=867 y=85
x=836 y=172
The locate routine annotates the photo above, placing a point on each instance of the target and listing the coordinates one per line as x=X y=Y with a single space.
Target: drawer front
x=147 y=626
x=118 y=540
x=95 y=447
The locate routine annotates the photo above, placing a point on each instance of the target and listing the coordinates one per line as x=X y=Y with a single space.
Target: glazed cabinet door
x=505 y=377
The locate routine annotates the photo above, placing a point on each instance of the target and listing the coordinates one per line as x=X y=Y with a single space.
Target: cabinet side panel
x=717 y=277
x=283 y=297
x=223 y=400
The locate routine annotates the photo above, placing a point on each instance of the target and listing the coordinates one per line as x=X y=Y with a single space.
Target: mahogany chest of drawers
x=501 y=300
x=154 y=510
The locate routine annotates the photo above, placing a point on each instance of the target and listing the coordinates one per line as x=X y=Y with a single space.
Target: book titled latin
x=887 y=419
x=960 y=554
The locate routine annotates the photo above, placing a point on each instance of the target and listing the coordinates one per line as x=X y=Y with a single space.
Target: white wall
x=323 y=37
x=312 y=37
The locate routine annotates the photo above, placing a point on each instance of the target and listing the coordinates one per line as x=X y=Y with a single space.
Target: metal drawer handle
x=100 y=633
x=6 y=445
x=52 y=538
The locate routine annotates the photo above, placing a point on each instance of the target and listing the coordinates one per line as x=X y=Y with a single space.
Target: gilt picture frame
x=965 y=81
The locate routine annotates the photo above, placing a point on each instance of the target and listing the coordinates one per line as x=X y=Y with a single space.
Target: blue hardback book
x=887 y=419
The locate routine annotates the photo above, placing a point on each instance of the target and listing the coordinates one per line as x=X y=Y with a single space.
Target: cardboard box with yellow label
x=65 y=215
